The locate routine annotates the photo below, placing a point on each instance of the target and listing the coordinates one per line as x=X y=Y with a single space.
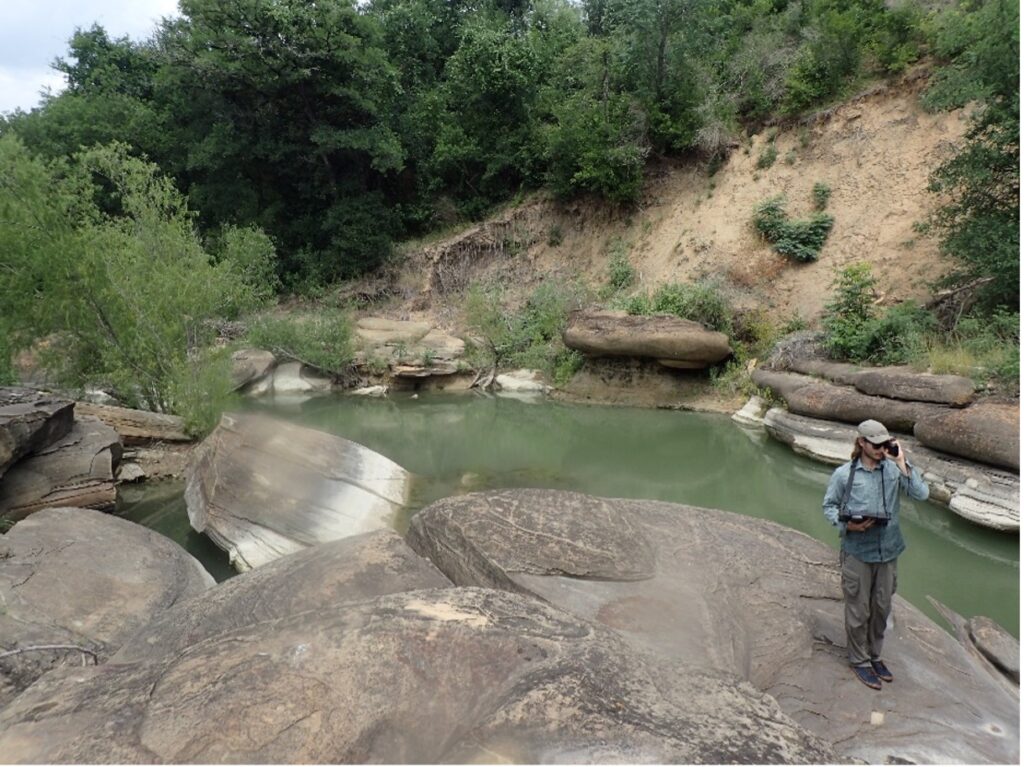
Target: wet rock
x=353 y=569
x=83 y=578
x=262 y=488
x=76 y=470
x=672 y=341
x=986 y=432
x=844 y=403
x=296 y=378
x=907 y=384
x=137 y=427
x=371 y=391
x=248 y=365
x=30 y=420
x=522 y=382
x=735 y=595
x=752 y=413
x=429 y=676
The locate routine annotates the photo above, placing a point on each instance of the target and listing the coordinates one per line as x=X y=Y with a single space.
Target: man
x=863 y=501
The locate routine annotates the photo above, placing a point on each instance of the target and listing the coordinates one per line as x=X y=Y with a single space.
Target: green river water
x=456 y=443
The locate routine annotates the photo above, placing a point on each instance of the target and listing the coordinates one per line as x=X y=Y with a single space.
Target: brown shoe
x=867 y=675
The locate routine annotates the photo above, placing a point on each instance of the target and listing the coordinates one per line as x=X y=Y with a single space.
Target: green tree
x=125 y=300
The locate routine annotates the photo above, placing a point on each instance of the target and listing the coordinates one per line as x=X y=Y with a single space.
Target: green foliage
x=322 y=340
x=983 y=346
x=528 y=337
x=800 y=240
x=849 y=312
x=767 y=157
x=701 y=302
x=821 y=194
x=899 y=336
x=124 y=298
x=980 y=221
x=202 y=389
x=621 y=273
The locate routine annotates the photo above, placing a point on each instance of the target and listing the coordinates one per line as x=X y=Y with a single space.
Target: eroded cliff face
x=875 y=153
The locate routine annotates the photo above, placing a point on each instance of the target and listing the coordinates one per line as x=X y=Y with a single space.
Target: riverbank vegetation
x=253 y=149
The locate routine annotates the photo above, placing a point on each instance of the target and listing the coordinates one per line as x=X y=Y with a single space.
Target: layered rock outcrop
x=30 y=420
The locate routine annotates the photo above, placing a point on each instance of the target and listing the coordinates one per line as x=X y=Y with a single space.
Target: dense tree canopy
x=337 y=127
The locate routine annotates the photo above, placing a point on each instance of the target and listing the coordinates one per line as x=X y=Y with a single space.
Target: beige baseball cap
x=874 y=432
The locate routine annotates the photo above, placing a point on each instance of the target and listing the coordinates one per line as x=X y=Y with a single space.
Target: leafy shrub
x=701 y=302
x=621 y=273
x=767 y=157
x=322 y=340
x=123 y=284
x=530 y=337
x=984 y=347
x=202 y=389
x=899 y=336
x=799 y=240
x=821 y=194
x=849 y=312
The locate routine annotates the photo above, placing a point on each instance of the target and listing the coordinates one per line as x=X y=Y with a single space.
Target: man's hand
x=859 y=527
x=900 y=459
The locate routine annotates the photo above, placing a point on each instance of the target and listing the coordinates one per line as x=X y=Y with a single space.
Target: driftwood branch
x=49 y=647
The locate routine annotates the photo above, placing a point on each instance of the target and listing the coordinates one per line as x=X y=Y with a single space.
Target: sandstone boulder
x=837 y=372
x=997 y=644
x=530 y=382
x=844 y=403
x=262 y=488
x=352 y=569
x=291 y=378
x=986 y=432
x=137 y=427
x=672 y=341
x=77 y=470
x=411 y=346
x=733 y=594
x=781 y=384
x=82 y=578
x=907 y=384
x=30 y=420
x=429 y=676
x=248 y=365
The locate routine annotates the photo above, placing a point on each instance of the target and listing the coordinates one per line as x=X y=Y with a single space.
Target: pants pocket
x=851 y=580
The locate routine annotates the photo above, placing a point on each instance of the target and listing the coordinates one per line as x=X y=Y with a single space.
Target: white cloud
x=34 y=32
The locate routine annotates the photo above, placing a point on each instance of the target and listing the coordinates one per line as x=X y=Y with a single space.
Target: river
x=461 y=442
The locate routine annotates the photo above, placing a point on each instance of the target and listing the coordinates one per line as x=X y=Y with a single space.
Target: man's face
x=873 y=451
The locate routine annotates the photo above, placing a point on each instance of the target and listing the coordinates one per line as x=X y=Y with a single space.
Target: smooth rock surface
x=997 y=644
x=522 y=382
x=907 y=384
x=752 y=413
x=781 y=383
x=734 y=594
x=30 y=420
x=137 y=427
x=76 y=470
x=352 y=569
x=262 y=488
x=672 y=341
x=986 y=432
x=841 y=373
x=429 y=676
x=296 y=378
x=82 y=577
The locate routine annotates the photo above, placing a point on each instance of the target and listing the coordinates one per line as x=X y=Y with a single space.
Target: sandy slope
x=875 y=153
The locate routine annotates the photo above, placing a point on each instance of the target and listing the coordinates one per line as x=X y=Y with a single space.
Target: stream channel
x=457 y=443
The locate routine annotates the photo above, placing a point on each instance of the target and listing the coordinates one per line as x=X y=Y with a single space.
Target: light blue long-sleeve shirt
x=875 y=493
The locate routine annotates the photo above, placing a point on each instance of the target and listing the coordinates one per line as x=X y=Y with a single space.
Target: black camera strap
x=849 y=487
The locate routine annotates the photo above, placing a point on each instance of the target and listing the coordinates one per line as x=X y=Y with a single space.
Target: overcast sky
x=34 y=32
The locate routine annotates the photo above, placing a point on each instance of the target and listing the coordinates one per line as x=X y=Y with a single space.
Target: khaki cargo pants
x=867 y=589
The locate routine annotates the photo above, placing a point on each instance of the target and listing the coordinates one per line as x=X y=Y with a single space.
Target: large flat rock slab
x=429 y=676
x=741 y=596
x=988 y=432
x=262 y=488
x=77 y=470
x=908 y=384
x=85 y=578
x=30 y=420
x=672 y=341
x=316 y=578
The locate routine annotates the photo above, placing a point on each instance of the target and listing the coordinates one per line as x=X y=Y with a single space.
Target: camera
x=858 y=518
x=892 y=448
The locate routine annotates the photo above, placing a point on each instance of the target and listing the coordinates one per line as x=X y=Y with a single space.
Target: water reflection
x=460 y=443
